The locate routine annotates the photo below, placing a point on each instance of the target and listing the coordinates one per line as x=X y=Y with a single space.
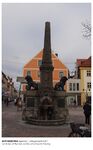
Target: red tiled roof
x=84 y=62
x=79 y=61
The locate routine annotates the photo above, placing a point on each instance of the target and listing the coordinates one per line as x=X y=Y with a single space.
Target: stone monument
x=46 y=69
x=45 y=105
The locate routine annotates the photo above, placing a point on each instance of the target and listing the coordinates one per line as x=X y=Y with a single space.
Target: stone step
x=45 y=122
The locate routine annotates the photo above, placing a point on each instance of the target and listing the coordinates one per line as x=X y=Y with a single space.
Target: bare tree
x=86 y=30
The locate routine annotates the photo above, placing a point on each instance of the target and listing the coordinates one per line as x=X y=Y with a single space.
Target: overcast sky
x=23 y=33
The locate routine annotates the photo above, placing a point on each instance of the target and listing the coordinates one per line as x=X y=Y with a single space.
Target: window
x=77 y=86
x=73 y=86
x=70 y=86
x=61 y=74
x=88 y=85
x=28 y=73
x=88 y=73
x=39 y=63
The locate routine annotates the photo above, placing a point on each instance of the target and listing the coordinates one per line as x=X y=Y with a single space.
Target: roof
x=32 y=64
x=84 y=62
x=79 y=61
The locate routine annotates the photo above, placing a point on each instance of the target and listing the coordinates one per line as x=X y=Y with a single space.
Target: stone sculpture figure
x=30 y=83
x=60 y=85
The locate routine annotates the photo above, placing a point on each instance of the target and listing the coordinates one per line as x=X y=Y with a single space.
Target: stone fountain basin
x=56 y=122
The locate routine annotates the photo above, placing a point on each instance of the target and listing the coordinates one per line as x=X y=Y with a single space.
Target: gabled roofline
x=51 y=53
x=32 y=58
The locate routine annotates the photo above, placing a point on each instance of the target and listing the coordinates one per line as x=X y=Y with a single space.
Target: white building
x=73 y=90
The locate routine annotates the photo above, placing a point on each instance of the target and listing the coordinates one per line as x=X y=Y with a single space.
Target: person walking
x=87 y=112
x=19 y=103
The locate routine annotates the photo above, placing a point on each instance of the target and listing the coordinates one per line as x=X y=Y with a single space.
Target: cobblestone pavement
x=13 y=126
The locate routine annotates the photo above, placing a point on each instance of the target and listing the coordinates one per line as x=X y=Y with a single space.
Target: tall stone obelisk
x=46 y=69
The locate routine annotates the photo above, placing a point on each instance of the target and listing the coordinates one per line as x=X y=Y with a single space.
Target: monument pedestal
x=45 y=110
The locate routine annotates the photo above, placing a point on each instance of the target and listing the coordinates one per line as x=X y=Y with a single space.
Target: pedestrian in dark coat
x=87 y=112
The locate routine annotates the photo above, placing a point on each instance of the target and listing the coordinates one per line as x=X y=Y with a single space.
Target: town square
x=46 y=92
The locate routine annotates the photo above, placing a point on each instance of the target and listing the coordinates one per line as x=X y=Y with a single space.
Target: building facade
x=73 y=90
x=78 y=87
x=32 y=68
x=84 y=74
x=8 y=88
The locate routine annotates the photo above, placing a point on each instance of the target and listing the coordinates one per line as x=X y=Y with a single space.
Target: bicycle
x=79 y=130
